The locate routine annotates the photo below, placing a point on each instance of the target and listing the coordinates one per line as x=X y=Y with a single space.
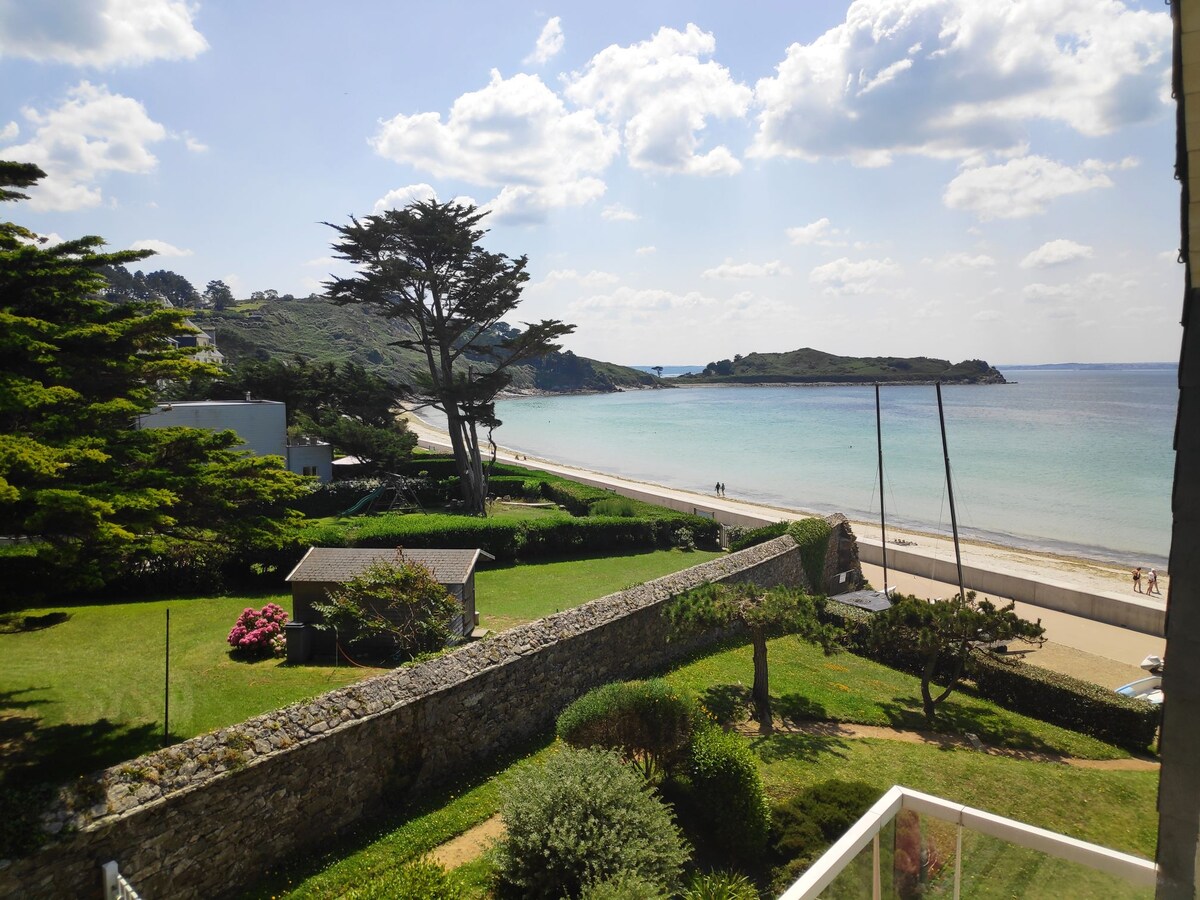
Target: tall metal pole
x=882 y=526
x=167 y=684
x=962 y=591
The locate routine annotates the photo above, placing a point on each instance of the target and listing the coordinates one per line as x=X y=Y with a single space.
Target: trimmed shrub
x=578 y=820
x=755 y=536
x=647 y=722
x=727 y=800
x=813 y=537
x=803 y=826
x=625 y=886
x=420 y=879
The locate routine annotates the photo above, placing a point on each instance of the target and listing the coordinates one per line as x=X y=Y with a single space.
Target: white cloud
x=615 y=212
x=401 y=197
x=729 y=269
x=162 y=248
x=1021 y=187
x=549 y=43
x=1039 y=291
x=820 y=232
x=842 y=276
x=99 y=32
x=662 y=95
x=10 y=132
x=965 y=261
x=1056 y=253
x=93 y=132
x=194 y=145
x=646 y=251
x=986 y=315
x=515 y=134
x=591 y=278
x=951 y=78
x=644 y=300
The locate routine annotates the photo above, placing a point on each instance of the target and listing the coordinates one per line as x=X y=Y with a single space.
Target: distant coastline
x=1156 y=366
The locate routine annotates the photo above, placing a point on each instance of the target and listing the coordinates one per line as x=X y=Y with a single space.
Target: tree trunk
x=467 y=460
x=926 y=697
x=761 y=691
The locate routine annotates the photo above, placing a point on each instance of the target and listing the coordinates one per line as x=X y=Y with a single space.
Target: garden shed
x=326 y=568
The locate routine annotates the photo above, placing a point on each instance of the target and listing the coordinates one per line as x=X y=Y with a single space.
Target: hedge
x=1017 y=686
x=757 y=536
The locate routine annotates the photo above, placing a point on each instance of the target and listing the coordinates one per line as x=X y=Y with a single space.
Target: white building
x=261 y=424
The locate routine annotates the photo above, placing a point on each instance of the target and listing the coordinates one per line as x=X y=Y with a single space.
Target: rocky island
x=808 y=366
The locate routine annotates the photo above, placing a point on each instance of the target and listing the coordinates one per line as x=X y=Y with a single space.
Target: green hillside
x=317 y=330
x=808 y=366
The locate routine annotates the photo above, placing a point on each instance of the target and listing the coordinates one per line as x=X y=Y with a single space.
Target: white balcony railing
x=876 y=877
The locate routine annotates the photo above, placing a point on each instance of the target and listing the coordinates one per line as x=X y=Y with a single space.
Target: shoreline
x=1103 y=654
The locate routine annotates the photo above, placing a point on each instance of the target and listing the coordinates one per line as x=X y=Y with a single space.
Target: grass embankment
x=82 y=687
x=1112 y=808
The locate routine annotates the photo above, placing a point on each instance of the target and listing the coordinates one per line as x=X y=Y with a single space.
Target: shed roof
x=340 y=564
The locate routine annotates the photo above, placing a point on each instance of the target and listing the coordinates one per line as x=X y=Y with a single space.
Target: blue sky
x=903 y=177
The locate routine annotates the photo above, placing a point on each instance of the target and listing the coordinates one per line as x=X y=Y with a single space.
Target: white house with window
x=261 y=424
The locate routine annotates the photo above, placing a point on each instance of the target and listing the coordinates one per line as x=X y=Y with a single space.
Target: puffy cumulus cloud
x=662 y=94
x=951 y=78
x=1098 y=289
x=401 y=197
x=843 y=276
x=646 y=251
x=730 y=269
x=193 y=145
x=515 y=134
x=1055 y=253
x=642 y=301
x=615 y=212
x=820 y=232
x=92 y=133
x=1021 y=187
x=162 y=248
x=10 y=132
x=958 y=261
x=986 y=315
x=549 y=43
x=99 y=32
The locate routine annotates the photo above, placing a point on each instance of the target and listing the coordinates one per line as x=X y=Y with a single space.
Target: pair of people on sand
x=720 y=489
x=1151 y=581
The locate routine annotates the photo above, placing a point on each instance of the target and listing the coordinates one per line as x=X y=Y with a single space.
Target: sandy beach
x=1100 y=653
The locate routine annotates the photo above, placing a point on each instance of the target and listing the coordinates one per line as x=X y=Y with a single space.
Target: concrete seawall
x=1145 y=616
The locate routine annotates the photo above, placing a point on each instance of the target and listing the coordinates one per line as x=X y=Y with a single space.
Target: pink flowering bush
x=260 y=632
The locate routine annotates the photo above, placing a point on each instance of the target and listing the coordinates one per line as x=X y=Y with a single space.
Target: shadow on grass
x=798 y=708
x=32 y=753
x=959 y=716
x=807 y=748
x=15 y=623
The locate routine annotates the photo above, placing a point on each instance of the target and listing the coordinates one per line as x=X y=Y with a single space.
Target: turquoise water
x=1066 y=460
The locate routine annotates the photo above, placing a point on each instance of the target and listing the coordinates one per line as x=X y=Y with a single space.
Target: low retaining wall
x=206 y=817
x=1137 y=615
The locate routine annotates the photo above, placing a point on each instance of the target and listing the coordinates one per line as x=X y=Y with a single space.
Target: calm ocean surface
x=1065 y=460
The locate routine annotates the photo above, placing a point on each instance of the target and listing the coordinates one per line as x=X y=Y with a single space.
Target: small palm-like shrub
x=579 y=820
x=720 y=886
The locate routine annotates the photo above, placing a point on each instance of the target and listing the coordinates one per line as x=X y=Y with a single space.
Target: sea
x=1077 y=461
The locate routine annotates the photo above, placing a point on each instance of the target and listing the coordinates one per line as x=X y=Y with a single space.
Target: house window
x=310 y=470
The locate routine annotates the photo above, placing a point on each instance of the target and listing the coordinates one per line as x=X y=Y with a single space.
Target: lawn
x=509 y=595
x=88 y=691
x=1112 y=808
x=82 y=688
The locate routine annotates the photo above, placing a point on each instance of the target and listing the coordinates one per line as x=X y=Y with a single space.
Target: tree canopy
x=80 y=483
x=425 y=266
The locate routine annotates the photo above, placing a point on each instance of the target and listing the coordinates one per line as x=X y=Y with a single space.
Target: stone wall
x=206 y=817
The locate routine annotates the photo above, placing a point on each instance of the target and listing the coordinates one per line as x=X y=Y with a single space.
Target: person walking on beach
x=1152 y=582
x=717 y=489
x=721 y=487
x=1137 y=579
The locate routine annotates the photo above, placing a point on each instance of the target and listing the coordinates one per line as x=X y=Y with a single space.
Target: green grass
x=512 y=594
x=87 y=692
x=807 y=685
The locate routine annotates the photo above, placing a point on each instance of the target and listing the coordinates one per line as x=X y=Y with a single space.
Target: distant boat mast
x=962 y=591
x=882 y=525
